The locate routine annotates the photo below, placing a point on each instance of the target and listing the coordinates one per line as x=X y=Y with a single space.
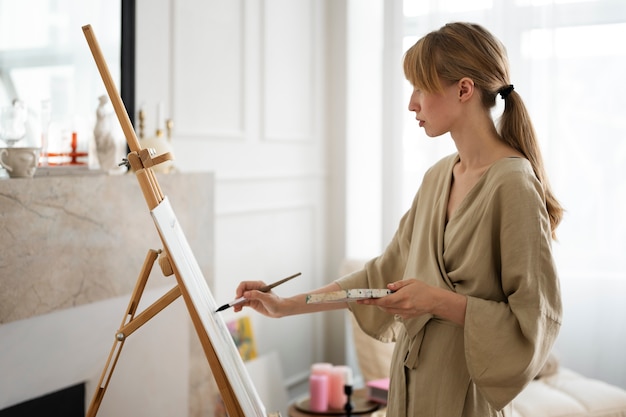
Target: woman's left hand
x=412 y=298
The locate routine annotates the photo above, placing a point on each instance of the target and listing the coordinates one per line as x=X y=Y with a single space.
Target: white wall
x=244 y=82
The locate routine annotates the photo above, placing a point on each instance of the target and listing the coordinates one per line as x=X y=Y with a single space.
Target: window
x=44 y=57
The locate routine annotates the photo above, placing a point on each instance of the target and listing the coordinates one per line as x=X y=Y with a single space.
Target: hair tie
x=505 y=91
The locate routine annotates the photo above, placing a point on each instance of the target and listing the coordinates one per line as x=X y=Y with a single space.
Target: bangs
x=420 y=66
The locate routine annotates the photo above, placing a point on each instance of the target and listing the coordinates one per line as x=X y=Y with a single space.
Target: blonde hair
x=459 y=50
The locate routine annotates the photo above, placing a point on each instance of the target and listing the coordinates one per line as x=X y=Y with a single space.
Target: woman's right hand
x=266 y=303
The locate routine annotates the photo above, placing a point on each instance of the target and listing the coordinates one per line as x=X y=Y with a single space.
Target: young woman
x=476 y=304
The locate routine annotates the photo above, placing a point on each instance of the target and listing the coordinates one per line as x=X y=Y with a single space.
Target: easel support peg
x=165 y=264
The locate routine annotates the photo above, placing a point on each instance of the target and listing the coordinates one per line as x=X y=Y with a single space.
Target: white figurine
x=105 y=135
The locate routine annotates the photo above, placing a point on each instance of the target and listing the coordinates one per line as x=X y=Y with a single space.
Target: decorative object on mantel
x=13 y=123
x=108 y=138
x=238 y=392
x=72 y=158
x=159 y=142
x=19 y=162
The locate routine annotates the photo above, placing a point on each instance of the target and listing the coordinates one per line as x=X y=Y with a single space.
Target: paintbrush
x=266 y=288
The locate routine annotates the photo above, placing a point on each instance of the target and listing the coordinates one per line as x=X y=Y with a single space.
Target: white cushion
x=568 y=394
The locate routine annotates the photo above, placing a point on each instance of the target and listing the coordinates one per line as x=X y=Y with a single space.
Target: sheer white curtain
x=568 y=62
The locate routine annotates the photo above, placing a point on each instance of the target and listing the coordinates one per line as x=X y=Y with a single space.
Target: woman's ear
x=466 y=88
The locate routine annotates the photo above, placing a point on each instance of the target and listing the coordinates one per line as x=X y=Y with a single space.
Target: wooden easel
x=142 y=161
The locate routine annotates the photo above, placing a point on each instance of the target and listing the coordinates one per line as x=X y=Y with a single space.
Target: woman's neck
x=479 y=144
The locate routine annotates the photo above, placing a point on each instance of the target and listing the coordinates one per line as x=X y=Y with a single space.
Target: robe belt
x=456 y=377
x=416 y=330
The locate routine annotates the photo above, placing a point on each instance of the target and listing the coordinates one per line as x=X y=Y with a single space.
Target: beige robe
x=496 y=250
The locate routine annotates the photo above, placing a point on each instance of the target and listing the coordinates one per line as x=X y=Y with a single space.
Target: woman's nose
x=413 y=104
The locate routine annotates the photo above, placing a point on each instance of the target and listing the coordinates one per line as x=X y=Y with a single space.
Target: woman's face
x=437 y=112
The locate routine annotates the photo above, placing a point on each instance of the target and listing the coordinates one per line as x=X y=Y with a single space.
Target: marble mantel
x=69 y=241
x=71 y=249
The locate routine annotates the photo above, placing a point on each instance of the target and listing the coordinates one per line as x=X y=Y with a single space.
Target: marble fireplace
x=71 y=249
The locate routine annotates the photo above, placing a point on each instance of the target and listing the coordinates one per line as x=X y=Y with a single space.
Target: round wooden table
x=362 y=407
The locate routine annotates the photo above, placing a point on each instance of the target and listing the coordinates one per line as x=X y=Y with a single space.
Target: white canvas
x=189 y=272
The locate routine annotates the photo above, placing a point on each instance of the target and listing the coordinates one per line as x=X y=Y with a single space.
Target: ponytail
x=516 y=130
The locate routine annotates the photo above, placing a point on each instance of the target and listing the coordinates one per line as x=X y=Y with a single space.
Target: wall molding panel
x=209 y=87
x=290 y=70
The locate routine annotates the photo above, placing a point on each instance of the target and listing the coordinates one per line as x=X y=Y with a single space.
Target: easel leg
x=129 y=325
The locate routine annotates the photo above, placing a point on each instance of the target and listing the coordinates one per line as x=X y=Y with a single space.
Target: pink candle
x=318 y=392
x=336 y=397
x=321 y=368
x=347 y=374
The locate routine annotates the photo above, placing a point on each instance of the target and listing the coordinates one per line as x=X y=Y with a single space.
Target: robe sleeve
x=507 y=342
x=377 y=273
